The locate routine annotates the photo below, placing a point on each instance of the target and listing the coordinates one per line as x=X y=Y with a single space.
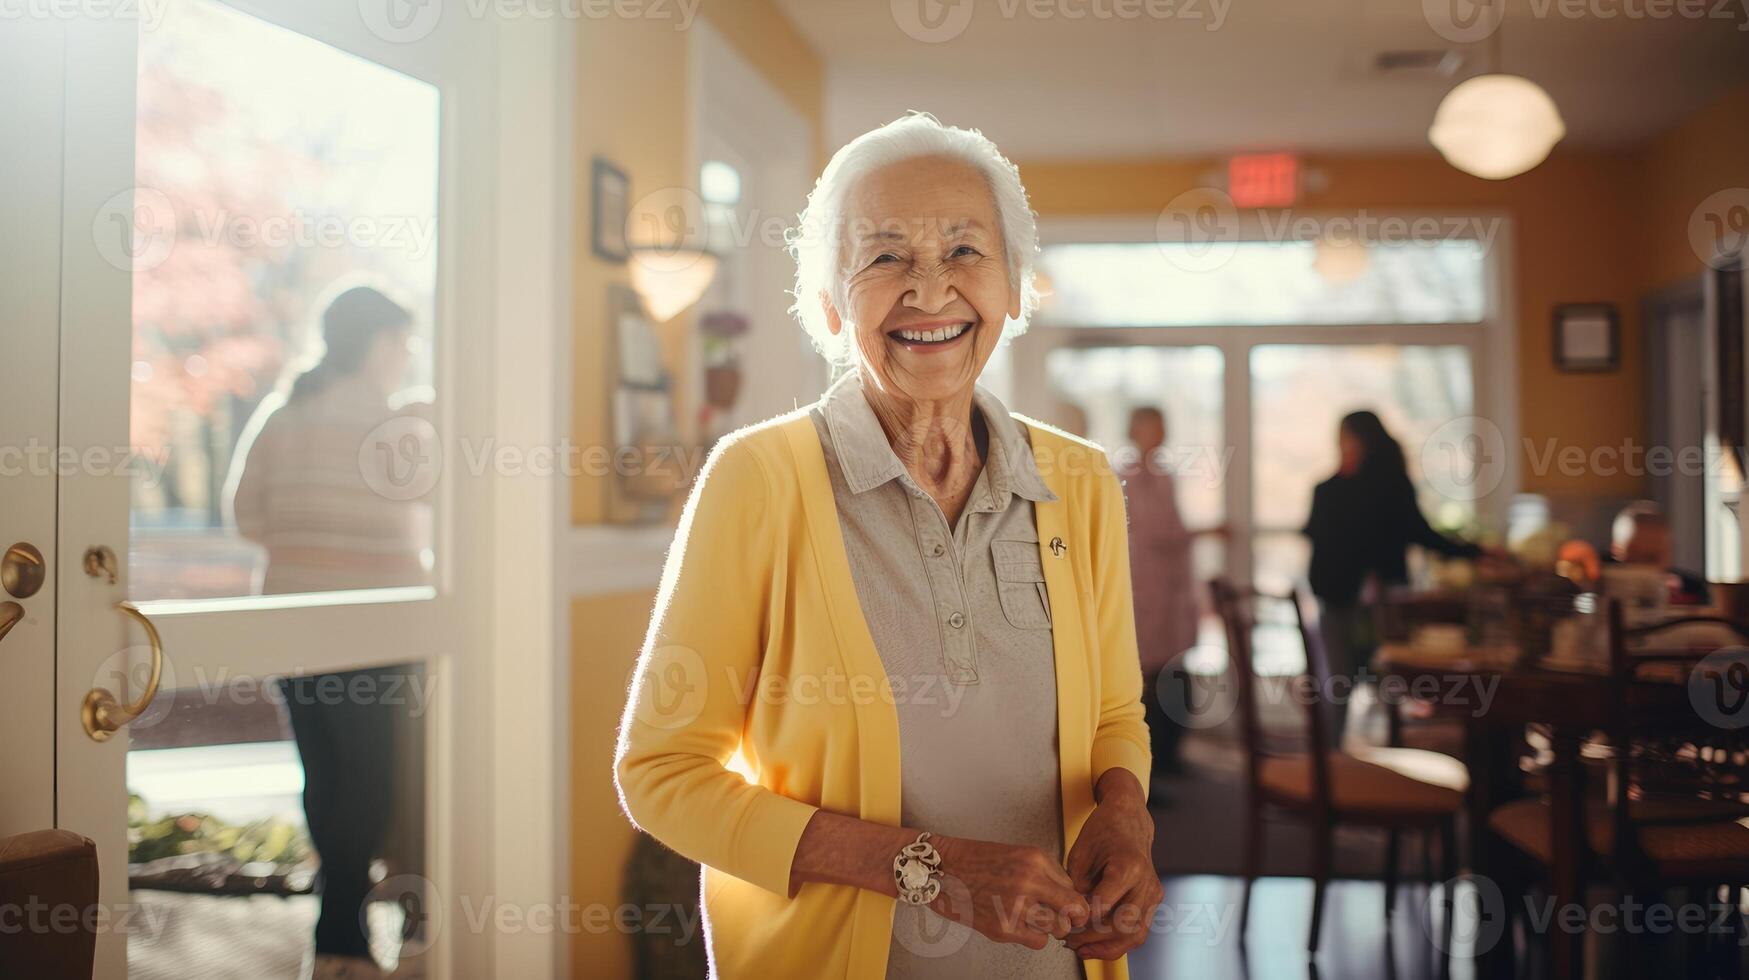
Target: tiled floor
x=1197 y=933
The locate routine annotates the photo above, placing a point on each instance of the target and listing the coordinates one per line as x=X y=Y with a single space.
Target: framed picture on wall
x=1587 y=337
x=610 y=199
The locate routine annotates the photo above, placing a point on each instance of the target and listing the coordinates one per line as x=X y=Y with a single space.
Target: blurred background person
x=1640 y=535
x=1160 y=573
x=1362 y=522
x=335 y=512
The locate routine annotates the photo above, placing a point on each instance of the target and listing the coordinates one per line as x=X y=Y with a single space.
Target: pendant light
x=1496 y=125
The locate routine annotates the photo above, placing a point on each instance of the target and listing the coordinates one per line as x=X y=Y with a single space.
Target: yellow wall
x=632 y=111
x=1682 y=168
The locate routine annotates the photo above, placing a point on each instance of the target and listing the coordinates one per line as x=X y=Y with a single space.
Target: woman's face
x=1353 y=451
x=925 y=278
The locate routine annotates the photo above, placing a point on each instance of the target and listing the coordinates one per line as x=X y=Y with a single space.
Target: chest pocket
x=1020 y=584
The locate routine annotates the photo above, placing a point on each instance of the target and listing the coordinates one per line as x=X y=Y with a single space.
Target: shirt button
x=937 y=550
x=957 y=620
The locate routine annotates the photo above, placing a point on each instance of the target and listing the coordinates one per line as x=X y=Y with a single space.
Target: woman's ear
x=834 y=322
x=1015 y=292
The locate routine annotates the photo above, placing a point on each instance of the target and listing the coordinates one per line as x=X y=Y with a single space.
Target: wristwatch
x=917 y=871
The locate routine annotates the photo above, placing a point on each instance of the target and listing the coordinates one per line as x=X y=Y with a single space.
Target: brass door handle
x=10 y=613
x=102 y=714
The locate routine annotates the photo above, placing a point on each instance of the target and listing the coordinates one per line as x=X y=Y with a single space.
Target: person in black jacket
x=1362 y=522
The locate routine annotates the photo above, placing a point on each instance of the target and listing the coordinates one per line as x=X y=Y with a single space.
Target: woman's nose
x=931 y=290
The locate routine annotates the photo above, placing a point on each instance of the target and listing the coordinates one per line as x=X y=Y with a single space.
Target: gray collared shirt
x=962 y=622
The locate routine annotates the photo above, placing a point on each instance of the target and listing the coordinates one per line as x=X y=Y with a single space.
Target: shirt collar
x=867 y=458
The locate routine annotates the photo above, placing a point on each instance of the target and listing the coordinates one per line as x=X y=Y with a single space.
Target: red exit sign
x=1264 y=180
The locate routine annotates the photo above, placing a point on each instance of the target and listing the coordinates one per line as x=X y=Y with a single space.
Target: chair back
x=1241 y=609
x=56 y=870
x=1663 y=767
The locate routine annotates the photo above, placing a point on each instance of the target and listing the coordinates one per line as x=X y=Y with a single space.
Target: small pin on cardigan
x=1058 y=547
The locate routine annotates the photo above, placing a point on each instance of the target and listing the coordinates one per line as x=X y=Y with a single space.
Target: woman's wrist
x=840 y=850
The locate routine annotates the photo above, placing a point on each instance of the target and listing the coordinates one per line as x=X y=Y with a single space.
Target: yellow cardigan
x=758 y=661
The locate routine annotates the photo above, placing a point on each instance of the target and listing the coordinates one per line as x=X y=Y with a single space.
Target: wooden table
x=1572 y=705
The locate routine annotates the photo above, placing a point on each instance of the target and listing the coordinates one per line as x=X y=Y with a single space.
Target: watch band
x=917 y=871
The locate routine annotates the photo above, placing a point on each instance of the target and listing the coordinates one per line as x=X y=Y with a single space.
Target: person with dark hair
x=1363 y=520
x=304 y=483
x=335 y=511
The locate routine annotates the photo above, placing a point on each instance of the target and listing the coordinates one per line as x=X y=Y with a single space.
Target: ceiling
x=1272 y=74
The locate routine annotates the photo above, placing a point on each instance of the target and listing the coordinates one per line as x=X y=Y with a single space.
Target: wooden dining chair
x=1678 y=787
x=1308 y=781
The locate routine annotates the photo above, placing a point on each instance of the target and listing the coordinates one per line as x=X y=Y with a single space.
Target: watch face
x=914 y=874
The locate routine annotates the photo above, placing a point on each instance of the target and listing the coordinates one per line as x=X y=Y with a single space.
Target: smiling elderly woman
x=905 y=615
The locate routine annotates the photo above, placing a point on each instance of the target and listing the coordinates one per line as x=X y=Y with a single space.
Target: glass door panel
x=1106 y=384
x=1300 y=392
x=284 y=256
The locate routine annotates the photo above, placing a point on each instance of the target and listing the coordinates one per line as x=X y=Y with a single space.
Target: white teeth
x=934 y=336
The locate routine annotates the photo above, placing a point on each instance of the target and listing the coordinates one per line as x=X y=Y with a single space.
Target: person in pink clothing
x=1160 y=568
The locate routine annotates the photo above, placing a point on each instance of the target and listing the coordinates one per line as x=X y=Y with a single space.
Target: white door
x=197 y=195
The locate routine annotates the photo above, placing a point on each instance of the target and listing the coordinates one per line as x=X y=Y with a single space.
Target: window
x=1172 y=284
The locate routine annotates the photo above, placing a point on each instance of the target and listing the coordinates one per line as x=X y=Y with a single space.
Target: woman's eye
x=884 y=257
x=964 y=250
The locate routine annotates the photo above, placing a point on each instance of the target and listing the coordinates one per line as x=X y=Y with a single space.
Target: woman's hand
x=1009 y=893
x=1112 y=862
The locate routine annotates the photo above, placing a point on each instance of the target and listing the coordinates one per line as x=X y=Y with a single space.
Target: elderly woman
x=890 y=698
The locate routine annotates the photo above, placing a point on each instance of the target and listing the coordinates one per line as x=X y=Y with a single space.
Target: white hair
x=817 y=245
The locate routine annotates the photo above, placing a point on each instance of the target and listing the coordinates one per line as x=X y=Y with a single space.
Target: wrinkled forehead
x=923 y=199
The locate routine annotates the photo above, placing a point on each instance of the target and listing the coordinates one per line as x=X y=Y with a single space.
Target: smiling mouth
x=936 y=337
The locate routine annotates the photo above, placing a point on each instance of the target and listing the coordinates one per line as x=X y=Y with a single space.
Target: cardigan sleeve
x=685 y=713
x=1120 y=739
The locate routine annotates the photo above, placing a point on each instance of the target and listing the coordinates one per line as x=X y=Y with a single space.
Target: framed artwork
x=1587 y=337
x=642 y=421
x=610 y=199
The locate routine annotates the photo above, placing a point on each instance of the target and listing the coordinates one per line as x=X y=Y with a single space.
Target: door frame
x=1492 y=342
x=497 y=812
